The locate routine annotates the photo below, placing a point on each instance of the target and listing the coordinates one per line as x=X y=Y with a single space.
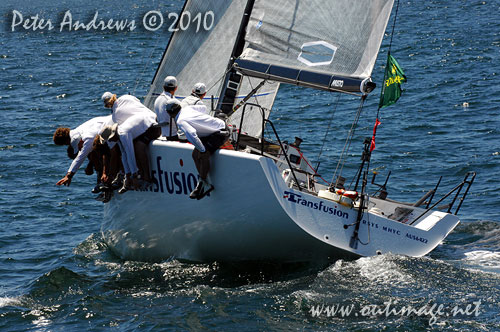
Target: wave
x=474 y=245
x=9 y=302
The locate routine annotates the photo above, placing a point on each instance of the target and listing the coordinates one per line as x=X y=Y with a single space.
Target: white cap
x=108 y=133
x=106 y=96
x=199 y=88
x=170 y=82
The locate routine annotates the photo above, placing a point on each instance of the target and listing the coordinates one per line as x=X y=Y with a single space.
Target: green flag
x=394 y=76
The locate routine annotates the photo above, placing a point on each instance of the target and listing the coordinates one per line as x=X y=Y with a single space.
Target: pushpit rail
x=467 y=182
x=264 y=121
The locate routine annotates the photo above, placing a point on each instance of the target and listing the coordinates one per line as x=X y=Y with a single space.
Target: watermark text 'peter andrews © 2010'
x=153 y=20
x=432 y=311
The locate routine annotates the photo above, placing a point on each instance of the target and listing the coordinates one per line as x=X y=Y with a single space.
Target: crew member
x=168 y=128
x=80 y=139
x=134 y=136
x=206 y=133
x=197 y=94
x=124 y=107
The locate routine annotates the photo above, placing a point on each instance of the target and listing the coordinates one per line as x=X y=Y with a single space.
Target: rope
x=315 y=173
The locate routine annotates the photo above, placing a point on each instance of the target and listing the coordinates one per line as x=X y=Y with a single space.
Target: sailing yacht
x=268 y=204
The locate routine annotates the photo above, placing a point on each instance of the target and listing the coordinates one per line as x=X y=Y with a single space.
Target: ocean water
x=56 y=273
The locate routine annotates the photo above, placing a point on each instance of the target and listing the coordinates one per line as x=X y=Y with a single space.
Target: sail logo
x=297 y=199
x=317 y=53
x=337 y=84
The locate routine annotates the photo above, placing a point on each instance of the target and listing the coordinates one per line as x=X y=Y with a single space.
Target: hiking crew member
x=124 y=107
x=206 y=133
x=133 y=120
x=134 y=136
x=168 y=129
x=81 y=139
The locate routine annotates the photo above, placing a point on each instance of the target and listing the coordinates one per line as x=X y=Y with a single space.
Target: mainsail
x=331 y=45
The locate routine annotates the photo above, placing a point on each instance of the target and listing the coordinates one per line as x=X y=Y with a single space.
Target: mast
x=232 y=79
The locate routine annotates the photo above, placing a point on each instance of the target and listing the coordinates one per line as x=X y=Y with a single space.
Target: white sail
x=252 y=124
x=199 y=55
x=329 y=45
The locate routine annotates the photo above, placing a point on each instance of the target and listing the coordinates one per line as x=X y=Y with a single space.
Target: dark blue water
x=56 y=274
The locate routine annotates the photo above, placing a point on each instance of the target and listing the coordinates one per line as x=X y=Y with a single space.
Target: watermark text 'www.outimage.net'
x=153 y=20
x=433 y=311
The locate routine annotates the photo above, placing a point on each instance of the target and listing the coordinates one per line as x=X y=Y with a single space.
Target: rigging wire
x=388 y=53
x=220 y=79
x=327 y=131
x=348 y=141
x=251 y=86
x=145 y=66
x=347 y=144
x=394 y=25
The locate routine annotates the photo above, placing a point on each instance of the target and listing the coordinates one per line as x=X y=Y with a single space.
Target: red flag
x=372 y=144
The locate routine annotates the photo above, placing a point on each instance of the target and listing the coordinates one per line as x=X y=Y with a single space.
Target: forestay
x=331 y=45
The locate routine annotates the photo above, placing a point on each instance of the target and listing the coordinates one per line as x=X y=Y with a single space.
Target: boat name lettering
x=297 y=199
x=416 y=238
x=384 y=228
x=176 y=183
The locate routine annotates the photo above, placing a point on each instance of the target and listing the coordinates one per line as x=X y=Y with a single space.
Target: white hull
x=251 y=215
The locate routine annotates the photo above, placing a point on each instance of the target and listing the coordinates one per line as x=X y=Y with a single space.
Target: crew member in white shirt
x=168 y=128
x=81 y=139
x=197 y=94
x=206 y=133
x=124 y=107
x=134 y=136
